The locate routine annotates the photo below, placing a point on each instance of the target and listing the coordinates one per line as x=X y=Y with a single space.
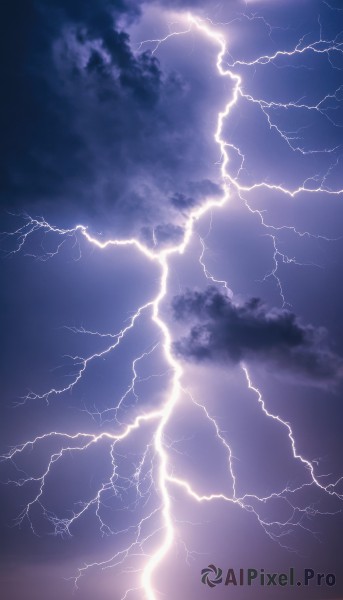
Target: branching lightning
x=154 y=470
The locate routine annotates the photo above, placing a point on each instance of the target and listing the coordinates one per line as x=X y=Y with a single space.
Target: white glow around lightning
x=161 y=416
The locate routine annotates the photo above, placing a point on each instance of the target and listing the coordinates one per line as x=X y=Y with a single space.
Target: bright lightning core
x=154 y=534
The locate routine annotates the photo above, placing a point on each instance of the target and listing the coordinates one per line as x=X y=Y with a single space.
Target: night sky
x=171 y=273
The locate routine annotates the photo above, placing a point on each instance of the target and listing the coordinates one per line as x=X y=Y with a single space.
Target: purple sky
x=111 y=133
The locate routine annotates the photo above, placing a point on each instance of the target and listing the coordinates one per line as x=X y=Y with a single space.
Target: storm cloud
x=92 y=126
x=222 y=331
x=66 y=85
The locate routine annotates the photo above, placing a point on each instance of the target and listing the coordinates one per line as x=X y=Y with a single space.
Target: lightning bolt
x=154 y=470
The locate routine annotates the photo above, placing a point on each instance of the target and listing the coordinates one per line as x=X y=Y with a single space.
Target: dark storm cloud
x=224 y=331
x=208 y=5
x=197 y=190
x=87 y=123
x=66 y=64
x=163 y=234
x=206 y=187
x=181 y=201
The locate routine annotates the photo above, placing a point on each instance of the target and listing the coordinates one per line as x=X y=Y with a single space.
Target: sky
x=172 y=355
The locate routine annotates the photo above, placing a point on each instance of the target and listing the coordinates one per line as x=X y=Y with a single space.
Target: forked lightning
x=155 y=470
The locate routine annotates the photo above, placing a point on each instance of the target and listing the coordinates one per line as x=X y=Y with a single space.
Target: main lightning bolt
x=154 y=471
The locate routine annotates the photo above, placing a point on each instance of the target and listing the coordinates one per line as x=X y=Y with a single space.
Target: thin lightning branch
x=208 y=275
x=81 y=364
x=292 y=138
x=154 y=471
x=131 y=389
x=332 y=7
x=158 y=42
x=318 y=47
x=329 y=489
x=253 y=17
x=222 y=440
x=278 y=255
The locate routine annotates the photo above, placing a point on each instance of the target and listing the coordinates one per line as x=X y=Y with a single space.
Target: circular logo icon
x=211 y=576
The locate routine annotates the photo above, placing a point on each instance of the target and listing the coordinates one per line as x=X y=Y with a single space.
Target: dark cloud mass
x=224 y=331
x=166 y=233
x=196 y=191
x=90 y=125
x=182 y=202
x=68 y=66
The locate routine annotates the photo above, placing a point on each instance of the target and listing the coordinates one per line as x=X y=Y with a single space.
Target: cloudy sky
x=209 y=137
